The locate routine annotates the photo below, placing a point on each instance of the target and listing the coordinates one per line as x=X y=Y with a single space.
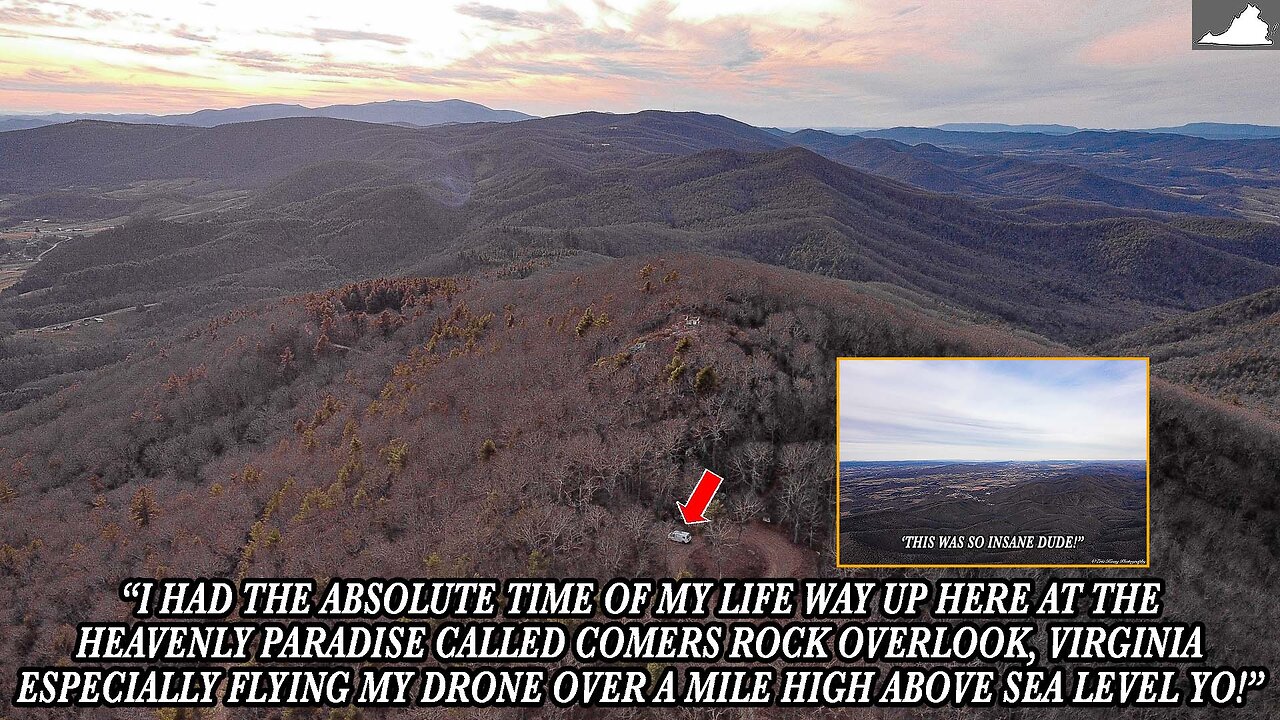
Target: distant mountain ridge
x=1220 y=131
x=391 y=112
x=1203 y=130
x=933 y=168
x=1049 y=129
x=439 y=112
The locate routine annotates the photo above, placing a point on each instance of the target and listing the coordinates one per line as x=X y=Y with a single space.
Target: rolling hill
x=1234 y=175
x=1231 y=351
x=932 y=168
x=239 y=155
x=98 y=155
x=1251 y=154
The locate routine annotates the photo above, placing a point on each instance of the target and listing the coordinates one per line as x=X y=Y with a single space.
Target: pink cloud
x=1153 y=41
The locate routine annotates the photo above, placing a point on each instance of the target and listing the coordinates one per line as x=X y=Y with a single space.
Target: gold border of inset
x=1100 y=566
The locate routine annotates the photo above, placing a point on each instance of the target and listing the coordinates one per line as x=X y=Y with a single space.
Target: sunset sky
x=769 y=62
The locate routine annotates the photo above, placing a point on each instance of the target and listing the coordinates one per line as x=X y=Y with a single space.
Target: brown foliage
x=143 y=508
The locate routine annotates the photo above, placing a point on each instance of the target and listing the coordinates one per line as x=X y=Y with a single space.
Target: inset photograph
x=992 y=462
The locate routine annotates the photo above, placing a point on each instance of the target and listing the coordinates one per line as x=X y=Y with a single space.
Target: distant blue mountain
x=1221 y=131
x=1204 y=130
x=1002 y=127
x=391 y=112
x=840 y=130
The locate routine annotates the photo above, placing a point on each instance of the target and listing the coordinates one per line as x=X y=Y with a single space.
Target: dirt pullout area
x=756 y=549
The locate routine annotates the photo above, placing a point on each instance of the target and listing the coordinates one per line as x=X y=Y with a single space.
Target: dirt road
x=782 y=558
x=762 y=550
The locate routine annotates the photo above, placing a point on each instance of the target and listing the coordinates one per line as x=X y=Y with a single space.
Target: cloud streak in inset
x=990 y=410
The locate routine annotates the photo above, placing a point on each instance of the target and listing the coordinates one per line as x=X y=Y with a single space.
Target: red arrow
x=700 y=498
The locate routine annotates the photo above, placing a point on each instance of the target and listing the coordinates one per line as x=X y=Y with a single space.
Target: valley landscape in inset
x=993 y=461
x=881 y=502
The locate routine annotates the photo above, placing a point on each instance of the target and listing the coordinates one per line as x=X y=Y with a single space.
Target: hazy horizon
x=799 y=63
x=287 y=101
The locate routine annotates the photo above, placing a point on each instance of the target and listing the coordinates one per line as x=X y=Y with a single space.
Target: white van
x=680 y=536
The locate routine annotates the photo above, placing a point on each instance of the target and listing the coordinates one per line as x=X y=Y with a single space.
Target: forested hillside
x=1234 y=175
x=500 y=425
x=933 y=168
x=273 y=206
x=1231 y=351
